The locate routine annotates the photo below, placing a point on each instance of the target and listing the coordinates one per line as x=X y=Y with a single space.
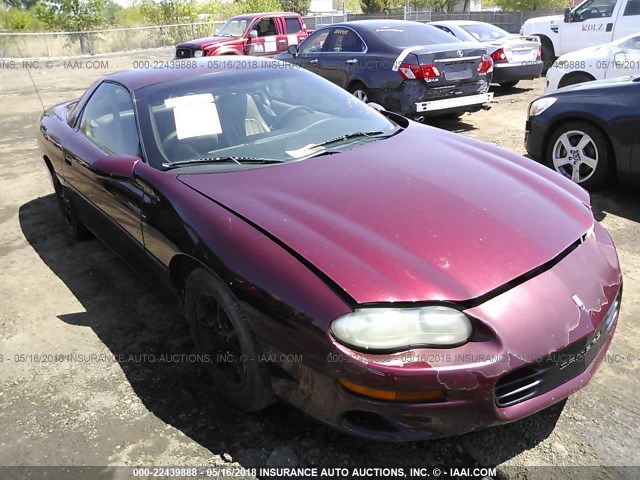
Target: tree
x=19 y=20
x=21 y=4
x=373 y=6
x=71 y=15
x=529 y=5
x=300 y=6
x=250 y=6
x=166 y=12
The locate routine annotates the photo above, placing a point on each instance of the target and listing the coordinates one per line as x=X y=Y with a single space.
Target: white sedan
x=611 y=60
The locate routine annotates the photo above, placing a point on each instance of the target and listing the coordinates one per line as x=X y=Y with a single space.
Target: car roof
x=137 y=78
x=460 y=23
x=378 y=23
x=263 y=14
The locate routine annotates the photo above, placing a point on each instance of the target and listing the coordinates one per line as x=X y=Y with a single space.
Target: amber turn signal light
x=392 y=395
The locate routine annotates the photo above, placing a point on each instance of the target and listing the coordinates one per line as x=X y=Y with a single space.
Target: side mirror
x=118 y=166
x=293 y=50
x=567 y=15
x=253 y=34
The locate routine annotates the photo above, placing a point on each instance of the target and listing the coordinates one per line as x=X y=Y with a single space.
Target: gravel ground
x=58 y=296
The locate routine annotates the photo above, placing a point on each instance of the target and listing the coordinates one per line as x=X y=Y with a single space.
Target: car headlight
x=198 y=53
x=540 y=105
x=395 y=329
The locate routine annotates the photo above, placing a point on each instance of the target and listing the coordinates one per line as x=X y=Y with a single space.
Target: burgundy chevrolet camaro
x=388 y=278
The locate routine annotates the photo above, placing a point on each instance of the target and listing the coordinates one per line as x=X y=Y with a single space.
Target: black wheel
x=221 y=330
x=548 y=55
x=361 y=92
x=73 y=225
x=580 y=152
x=575 y=79
x=509 y=84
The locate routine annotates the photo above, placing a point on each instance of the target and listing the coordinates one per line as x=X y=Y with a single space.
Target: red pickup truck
x=251 y=34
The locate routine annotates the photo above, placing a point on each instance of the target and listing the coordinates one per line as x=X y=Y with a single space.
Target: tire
x=361 y=92
x=575 y=79
x=509 y=84
x=220 y=329
x=73 y=226
x=584 y=141
x=548 y=55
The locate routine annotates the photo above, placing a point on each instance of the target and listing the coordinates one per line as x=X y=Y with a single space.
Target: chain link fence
x=71 y=44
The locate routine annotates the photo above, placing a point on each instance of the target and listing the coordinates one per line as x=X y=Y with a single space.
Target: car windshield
x=242 y=117
x=409 y=34
x=233 y=28
x=485 y=32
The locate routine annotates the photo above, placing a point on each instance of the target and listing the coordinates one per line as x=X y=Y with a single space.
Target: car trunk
x=456 y=65
x=519 y=49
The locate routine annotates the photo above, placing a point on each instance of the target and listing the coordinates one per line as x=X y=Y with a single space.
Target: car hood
x=544 y=20
x=207 y=41
x=424 y=215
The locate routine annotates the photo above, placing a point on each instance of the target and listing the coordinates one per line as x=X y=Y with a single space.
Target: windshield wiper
x=320 y=148
x=229 y=159
x=349 y=136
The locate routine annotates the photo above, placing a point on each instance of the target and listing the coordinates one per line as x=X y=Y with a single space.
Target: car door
x=109 y=207
x=625 y=59
x=591 y=24
x=266 y=42
x=629 y=22
x=294 y=30
x=310 y=51
x=343 y=55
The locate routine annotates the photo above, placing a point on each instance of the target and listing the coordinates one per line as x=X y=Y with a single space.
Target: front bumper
x=511 y=72
x=558 y=313
x=553 y=77
x=536 y=131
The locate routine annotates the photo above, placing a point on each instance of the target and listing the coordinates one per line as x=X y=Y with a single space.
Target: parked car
x=611 y=60
x=311 y=242
x=407 y=67
x=591 y=23
x=588 y=132
x=514 y=57
x=251 y=34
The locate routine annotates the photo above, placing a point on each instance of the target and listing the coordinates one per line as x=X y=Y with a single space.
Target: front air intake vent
x=518 y=386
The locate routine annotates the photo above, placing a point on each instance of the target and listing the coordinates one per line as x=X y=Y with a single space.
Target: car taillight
x=410 y=71
x=486 y=64
x=539 y=57
x=498 y=56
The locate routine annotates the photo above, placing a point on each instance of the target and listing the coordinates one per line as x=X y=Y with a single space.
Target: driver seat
x=239 y=118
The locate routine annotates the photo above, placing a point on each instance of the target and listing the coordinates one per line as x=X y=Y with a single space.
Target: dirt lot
x=58 y=296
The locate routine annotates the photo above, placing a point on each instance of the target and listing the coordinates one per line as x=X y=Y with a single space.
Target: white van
x=593 y=22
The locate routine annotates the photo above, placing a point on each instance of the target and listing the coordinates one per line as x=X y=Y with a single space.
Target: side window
x=633 y=8
x=109 y=122
x=293 y=25
x=595 y=9
x=315 y=42
x=445 y=29
x=345 y=40
x=266 y=27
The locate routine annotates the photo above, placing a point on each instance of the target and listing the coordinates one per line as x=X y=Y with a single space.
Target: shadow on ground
x=619 y=199
x=130 y=318
x=499 y=91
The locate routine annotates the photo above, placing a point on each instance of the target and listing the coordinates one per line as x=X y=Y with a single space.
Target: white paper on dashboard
x=195 y=115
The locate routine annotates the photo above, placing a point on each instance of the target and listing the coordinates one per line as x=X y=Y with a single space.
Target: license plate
x=460 y=74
